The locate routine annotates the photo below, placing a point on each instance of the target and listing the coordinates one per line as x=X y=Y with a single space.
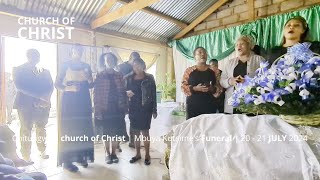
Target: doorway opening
x=14 y=54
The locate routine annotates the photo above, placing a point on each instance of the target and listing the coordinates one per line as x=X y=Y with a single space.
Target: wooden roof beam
x=131 y=7
x=107 y=6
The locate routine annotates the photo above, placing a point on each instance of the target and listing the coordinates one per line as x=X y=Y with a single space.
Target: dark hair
x=194 y=52
x=140 y=62
x=30 y=56
x=213 y=61
x=32 y=51
x=304 y=26
x=134 y=55
x=108 y=55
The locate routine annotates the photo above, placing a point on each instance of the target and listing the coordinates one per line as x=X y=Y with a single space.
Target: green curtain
x=267 y=32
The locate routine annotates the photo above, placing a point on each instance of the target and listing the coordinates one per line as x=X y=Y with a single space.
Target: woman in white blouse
x=246 y=63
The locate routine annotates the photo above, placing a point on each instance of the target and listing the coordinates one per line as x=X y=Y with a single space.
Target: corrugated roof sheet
x=183 y=10
x=140 y=24
x=84 y=11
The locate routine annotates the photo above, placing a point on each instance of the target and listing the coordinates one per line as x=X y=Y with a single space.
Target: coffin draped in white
x=237 y=147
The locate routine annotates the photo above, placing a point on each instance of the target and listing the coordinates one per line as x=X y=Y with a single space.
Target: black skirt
x=140 y=119
x=112 y=124
x=75 y=127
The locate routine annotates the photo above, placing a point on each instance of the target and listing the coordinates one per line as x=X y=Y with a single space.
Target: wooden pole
x=2 y=87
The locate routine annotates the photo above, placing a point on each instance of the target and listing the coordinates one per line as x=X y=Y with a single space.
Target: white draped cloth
x=237 y=147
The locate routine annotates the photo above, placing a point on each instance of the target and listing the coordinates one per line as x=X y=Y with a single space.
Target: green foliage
x=293 y=106
x=168 y=89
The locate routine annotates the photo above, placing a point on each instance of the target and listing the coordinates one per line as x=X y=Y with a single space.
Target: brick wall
x=236 y=13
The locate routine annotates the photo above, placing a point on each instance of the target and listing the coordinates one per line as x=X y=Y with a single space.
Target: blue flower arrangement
x=289 y=87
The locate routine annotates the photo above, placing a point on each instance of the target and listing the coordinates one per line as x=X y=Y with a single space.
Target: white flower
x=277 y=100
x=261 y=90
x=291 y=87
x=258 y=100
x=271 y=77
x=289 y=60
x=317 y=70
x=304 y=92
x=280 y=103
x=308 y=74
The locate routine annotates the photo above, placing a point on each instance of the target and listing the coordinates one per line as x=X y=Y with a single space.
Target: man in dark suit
x=34 y=88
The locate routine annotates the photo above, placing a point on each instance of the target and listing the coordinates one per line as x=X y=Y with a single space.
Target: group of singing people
x=117 y=89
x=208 y=88
x=120 y=89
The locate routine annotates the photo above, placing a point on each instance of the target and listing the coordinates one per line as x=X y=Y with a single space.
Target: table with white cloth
x=238 y=147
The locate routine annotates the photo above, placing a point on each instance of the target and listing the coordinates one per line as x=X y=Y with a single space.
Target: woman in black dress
x=74 y=80
x=199 y=84
x=295 y=31
x=141 y=90
x=110 y=105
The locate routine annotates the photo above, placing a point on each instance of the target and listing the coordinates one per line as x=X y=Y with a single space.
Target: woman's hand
x=212 y=89
x=154 y=115
x=130 y=93
x=200 y=88
x=240 y=79
x=234 y=80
